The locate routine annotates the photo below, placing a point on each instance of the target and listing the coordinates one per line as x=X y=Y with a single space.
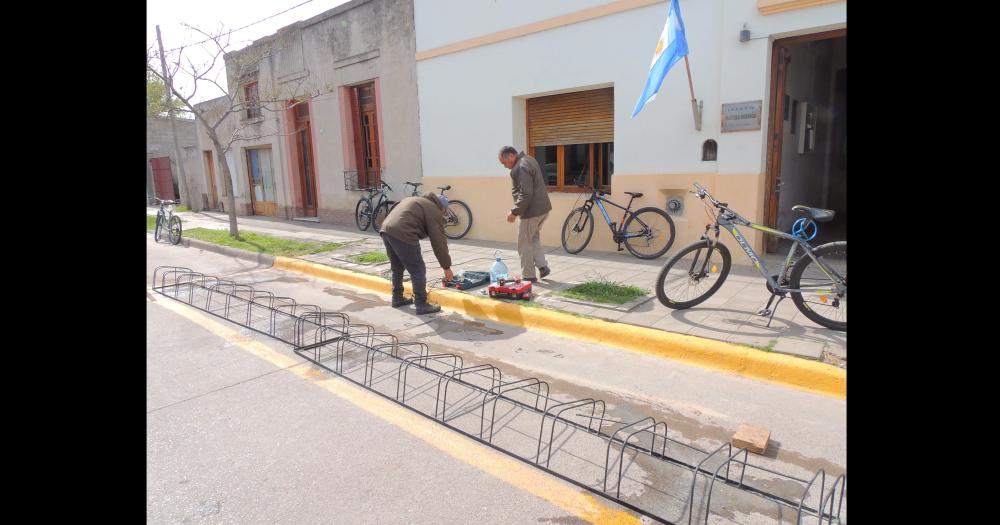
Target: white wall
x=467 y=99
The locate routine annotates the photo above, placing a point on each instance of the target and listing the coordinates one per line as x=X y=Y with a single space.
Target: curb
x=784 y=370
x=259 y=258
x=706 y=353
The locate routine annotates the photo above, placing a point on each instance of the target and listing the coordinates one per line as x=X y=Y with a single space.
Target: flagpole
x=694 y=102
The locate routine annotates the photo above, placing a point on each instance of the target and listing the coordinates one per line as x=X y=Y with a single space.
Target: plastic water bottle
x=498 y=270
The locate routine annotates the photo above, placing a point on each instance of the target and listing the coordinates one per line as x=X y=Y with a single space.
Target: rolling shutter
x=571 y=118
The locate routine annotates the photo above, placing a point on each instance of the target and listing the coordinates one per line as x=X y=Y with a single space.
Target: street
x=241 y=429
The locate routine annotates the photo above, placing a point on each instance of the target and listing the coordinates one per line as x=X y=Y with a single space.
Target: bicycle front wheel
x=157 y=232
x=458 y=220
x=380 y=214
x=174 y=230
x=577 y=230
x=820 y=298
x=693 y=274
x=363 y=213
x=648 y=233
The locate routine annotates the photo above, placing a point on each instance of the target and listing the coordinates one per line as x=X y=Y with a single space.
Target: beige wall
x=490 y=199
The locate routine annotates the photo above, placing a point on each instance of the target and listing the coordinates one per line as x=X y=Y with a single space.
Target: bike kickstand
x=767 y=311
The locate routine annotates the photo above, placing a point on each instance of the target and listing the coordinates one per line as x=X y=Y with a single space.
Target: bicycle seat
x=817 y=214
x=445 y=188
x=415 y=184
x=634 y=194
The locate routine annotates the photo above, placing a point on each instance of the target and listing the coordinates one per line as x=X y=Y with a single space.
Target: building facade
x=354 y=67
x=560 y=79
x=161 y=161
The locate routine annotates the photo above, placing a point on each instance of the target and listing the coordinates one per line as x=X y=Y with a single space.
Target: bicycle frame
x=731 y=222
x=600 y=200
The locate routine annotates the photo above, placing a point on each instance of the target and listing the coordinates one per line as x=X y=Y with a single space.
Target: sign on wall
x=741 y=116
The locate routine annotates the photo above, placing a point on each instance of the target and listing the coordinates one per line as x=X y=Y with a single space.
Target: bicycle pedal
x=764 y=313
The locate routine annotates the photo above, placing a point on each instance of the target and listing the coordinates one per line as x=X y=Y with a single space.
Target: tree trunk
x=227 y=178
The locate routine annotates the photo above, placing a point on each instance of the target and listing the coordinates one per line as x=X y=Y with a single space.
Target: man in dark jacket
x=531 y=208
x=415 y=218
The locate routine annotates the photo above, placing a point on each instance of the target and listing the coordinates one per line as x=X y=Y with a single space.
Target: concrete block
x=752 y=438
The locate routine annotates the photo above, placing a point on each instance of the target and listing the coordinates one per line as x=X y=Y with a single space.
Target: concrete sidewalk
x=729 y=315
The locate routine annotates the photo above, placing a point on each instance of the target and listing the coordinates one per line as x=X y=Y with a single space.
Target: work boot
x=543 y=271
x=398 y=301
x=397 y=292
x=420 y=298
x=427 y=308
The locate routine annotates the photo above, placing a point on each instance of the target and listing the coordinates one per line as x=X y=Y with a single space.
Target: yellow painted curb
x=707 y=353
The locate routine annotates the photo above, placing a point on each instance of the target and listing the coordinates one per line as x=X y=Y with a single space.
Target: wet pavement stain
x=358 y=302
x=457 y=324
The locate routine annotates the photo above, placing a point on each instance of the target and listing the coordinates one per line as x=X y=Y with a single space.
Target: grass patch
x=181 y=208
x=150 y=222
x=608 y=292
x=768 y=348
x=256 y=242
x=370 y=258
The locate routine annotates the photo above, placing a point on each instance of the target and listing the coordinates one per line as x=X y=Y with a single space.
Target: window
x=251 y=100
x=709 y=150
x=581 y=164
x=572 y=137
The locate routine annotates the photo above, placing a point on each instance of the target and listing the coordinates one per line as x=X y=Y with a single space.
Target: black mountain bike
x=458 y=220
x=647 y=232
x=166 y=220
x=817 y=281
x=365 y=213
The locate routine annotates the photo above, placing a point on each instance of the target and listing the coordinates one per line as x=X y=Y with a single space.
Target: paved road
x=243 y=430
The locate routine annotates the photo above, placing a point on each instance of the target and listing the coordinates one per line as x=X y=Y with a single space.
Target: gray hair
x=508 y=150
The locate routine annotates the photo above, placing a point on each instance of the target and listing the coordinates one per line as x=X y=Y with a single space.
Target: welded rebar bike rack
x=312 y=332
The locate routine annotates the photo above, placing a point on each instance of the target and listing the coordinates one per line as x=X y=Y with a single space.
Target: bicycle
x=647 y=232
x=458 y=219
x=816 y=282
x=165 y=218
x=366 y=214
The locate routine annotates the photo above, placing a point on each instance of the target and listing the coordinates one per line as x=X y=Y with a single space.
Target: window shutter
x=571 y=118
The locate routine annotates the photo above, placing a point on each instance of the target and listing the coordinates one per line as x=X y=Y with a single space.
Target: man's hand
x=511 y=217
x=448 y=275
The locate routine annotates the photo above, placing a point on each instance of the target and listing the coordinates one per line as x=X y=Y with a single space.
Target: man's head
x=508 y=156
x=440 y=200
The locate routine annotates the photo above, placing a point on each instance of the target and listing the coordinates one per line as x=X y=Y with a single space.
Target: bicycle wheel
x=577 y=230
x=363 y=213
x=380 y=214
x=458 y=221
x=820 y=300
x=159 y=225
x=693 y=274
x=174 y=230
x=649 y=233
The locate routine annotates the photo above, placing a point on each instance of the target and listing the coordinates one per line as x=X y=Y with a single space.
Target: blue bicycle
x=646 y=232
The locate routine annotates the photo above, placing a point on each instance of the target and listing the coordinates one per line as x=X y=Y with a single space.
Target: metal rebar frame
x=321 y=336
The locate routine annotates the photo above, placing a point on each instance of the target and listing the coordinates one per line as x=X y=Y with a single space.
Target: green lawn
x=603 y=292
x=256 y=242
x=150 y=222
x=370 y=258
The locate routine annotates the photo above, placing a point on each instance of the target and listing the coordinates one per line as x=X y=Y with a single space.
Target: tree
x=156 y=98
x=235 y=108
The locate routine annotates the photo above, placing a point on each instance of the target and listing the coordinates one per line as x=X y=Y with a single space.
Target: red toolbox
x=511 y=289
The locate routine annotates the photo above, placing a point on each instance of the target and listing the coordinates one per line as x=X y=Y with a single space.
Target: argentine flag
x=671 y=47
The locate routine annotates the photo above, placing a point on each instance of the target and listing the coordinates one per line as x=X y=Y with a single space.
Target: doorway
x=364 y=113
x=213 y=195
x=807 y=150
x=303 y=146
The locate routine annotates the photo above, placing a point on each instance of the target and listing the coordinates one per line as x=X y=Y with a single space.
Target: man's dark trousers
x=406 y=256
